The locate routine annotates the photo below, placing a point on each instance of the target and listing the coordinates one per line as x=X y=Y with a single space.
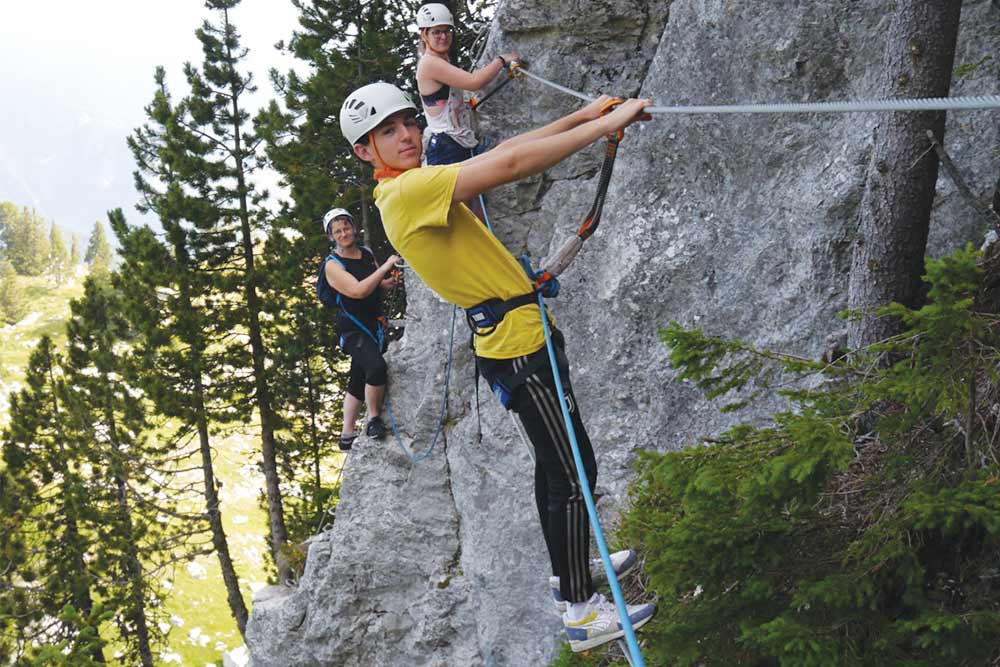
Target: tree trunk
x=219 y=541
x=133 y=568
x=132 y=565
x=900 y=184
x=275 y=509
x=366 y=223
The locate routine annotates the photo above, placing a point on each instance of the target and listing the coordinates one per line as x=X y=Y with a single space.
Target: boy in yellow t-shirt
x=457 y=257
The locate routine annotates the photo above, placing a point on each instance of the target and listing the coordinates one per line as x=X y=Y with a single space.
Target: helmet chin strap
x=387 y=170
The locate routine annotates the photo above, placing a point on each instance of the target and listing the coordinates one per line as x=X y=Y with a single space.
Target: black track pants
x=558 y=493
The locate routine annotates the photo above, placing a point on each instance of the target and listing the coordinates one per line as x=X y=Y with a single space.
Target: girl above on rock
x=457 y=257
x=450 y=137
x=358 y=280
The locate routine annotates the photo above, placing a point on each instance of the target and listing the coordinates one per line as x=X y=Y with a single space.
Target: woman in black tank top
x=358 y=280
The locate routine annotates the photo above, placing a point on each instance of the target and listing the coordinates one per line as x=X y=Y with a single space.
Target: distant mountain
x=66 y=163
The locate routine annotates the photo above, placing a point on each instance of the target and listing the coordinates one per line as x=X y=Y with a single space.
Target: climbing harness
x=484 y=317
x=850 y=106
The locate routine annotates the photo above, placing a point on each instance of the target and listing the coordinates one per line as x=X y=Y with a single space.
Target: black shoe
x=376 y=428
x=346 y=442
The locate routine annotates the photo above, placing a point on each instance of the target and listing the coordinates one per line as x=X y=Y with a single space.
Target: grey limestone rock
x=741 y=225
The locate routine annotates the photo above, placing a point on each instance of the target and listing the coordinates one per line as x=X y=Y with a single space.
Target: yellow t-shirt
x=456 y=256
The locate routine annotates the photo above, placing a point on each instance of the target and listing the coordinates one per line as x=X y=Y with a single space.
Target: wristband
x=504 y=62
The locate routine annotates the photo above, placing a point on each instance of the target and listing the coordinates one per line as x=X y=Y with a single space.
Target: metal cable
x=853 y=106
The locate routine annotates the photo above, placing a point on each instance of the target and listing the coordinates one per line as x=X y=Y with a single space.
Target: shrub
x=860 y=527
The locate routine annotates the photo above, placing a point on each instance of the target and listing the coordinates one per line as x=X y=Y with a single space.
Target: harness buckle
x=483 y=318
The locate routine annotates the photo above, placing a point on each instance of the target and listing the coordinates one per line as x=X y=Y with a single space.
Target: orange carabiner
x=608 y=108
x=544 y=278
x=514 y=70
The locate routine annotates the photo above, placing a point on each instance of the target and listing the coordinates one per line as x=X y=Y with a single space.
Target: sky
x=74 y=79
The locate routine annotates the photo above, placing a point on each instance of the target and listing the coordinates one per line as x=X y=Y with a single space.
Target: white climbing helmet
x=333 y=214
x=434 y=14
x=368 y=106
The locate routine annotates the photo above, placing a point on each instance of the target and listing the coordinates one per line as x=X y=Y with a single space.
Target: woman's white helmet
x=368 y=106
x=333 y=214
x=434 y=14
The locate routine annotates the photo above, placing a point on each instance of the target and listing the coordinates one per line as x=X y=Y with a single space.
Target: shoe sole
x=561 y=606
x=588 y=644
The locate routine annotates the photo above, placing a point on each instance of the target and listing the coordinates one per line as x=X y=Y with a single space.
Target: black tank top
x=439 y=95
x=366 y=309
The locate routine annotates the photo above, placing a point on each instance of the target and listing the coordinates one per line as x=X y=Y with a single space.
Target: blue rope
x=486 y=216
x=616 y=591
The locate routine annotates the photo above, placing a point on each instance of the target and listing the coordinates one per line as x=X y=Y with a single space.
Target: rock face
x=741 y=225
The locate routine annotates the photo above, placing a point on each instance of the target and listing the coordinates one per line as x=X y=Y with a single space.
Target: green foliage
x=99 y=253
x=13 y=303
x=59 y=265
x=816 y=541
x=567 y=658
x=23 y=239
x=85 y=649
x=74 y=252
x=987 y=66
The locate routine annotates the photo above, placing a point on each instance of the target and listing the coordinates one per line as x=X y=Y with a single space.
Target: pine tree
x=58 y=256
x=7 y=212
x=74 y=253
x=311 y=388
x=346 y=44
x=13 y=303
x=107 y=419
x=170 y=295
x=809 y=541
x=25 y=240
x=223 y=159
x=50 y=547
x=306 y=146
x=99 y=253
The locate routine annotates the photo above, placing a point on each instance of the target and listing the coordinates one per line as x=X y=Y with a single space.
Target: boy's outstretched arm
x=591 y=111
x=534 y=152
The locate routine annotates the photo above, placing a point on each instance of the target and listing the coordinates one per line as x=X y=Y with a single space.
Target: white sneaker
x=600 y=623
x=621 y=561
